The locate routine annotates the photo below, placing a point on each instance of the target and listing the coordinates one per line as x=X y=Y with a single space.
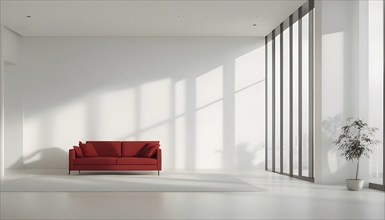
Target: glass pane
x=295 y=98
x=305 y=95
x=269 y=105
x=277 y=103
x=376 y=86
x=286 y=99
x=300 y=94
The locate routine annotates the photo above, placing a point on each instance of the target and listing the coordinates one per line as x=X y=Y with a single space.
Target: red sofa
x=116 y=155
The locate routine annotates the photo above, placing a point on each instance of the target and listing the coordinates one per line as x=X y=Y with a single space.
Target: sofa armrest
x=71 y=158
x=159 y=158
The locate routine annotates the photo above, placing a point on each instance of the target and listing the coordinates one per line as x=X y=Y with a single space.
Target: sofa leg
x=69 y=172
x=79 y=171
x=158 y=172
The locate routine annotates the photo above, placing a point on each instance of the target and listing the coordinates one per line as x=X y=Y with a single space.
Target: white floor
x=122 y=181
x=282 y=198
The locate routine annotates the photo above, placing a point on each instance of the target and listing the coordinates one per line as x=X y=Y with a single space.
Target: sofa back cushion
x=149 y=150
x=131 y=148
x=78 y=152
x=107 y=148
x=88 y=149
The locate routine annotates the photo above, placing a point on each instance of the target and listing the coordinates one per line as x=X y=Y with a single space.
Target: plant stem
x=358 y=165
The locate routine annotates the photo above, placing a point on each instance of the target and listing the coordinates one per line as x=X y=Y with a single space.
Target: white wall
x=203 y=98
x=13 y=108
x=13 y=117
x=10 y=128
x=11 y=46
x=342 y=93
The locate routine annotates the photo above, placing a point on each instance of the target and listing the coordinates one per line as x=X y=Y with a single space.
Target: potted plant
x=355 y=141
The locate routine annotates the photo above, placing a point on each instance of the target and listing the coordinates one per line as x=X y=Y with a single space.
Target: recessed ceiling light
x=28 y=16
x=254 y=25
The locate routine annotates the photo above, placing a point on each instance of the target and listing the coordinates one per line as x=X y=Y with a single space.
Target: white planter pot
x=354 y=185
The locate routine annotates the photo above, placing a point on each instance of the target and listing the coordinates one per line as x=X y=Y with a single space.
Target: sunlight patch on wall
x=209 y=136
x=155 y=103
x=249 y=127
x=180 y=97
x=249 y=68
x=159 y=132
x=250 y=109
x=209 y=119
x=180 y=142
x=209 y=87
x=180 y=124
x=116 y=117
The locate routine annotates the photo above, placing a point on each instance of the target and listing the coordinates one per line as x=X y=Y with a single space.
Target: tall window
x=277 y=98
x=286 y=101
x=289 y=74
x=376 y=89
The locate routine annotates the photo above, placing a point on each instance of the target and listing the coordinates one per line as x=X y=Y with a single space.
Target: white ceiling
x=146 y=18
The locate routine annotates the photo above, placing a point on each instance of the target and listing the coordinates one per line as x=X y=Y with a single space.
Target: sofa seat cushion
x=136 y=161
x=95 y=161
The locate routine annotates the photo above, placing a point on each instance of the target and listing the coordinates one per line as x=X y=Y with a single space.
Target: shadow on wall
x=17 y=164
x=48 y=158
x=337 y=166
x=247 y=155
